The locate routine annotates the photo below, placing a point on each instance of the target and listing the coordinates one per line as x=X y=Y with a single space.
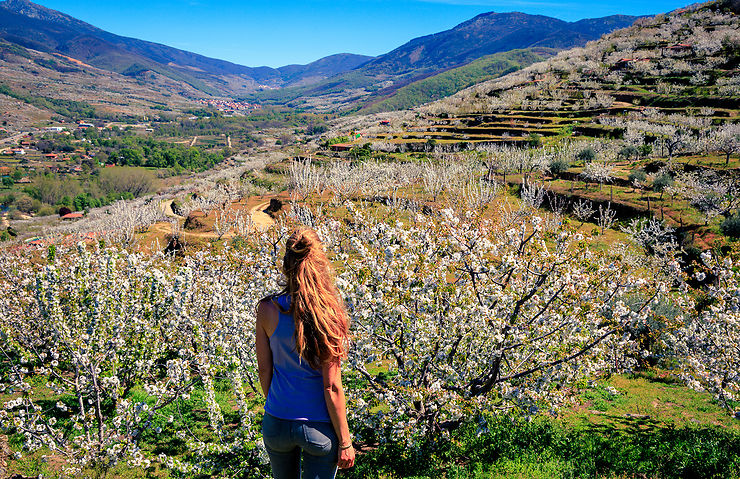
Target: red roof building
x=341 y=147
x=72 y=216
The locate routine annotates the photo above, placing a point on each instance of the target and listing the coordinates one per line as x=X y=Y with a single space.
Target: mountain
x=323 y=68
x=491 y=33
x=36 y=86
x=427 y=56
x=39 y=28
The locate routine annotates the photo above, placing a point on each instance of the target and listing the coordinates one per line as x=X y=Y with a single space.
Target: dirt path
x=166 y=207
x=261 y=219
x=228 y=141
x=166 y=229
x=192 y=143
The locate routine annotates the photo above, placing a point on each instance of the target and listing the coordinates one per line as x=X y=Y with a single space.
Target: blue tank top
x=297 y=390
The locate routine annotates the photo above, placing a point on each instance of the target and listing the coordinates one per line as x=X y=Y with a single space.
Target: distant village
x=228 y=107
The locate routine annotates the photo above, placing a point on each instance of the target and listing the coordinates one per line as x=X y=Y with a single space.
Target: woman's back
x=299 y=355
x=297 y=390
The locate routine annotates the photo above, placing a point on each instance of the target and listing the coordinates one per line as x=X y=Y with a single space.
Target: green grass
x=653 y=398
x=545 y=448
x=653 y=427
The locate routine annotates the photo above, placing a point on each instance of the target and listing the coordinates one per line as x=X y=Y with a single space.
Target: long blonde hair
x=321 y=323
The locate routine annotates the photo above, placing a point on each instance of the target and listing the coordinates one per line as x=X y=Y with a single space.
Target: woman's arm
x=265 y=326
x=335 y=403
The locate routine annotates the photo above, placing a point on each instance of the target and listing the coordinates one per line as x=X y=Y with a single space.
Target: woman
x=301 y=339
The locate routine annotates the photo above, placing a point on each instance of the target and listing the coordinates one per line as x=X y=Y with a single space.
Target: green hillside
x=451 y=81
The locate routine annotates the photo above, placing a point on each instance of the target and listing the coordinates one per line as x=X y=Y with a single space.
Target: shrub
x=534 y=140
x=46 y=210
x=730 y=226
x=637 y=176
x=558 y=166
x=314 y=130
x=24 y=204
x=126 y=180
x=51 y=190
x=661 y=182
x=629 y=152
x=7 y=200
x=587 y=155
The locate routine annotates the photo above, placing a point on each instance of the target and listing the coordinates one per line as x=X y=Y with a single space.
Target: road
x=14 y=138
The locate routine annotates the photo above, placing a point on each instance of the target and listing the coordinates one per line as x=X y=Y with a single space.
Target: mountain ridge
x=430 y=55
x=496 y=32
x=40 y=28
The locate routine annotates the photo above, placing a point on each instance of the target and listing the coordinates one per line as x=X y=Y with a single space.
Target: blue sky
x=276 y=33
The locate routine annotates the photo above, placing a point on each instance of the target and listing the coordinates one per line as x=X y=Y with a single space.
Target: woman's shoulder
x=268 y=302
x=277 y=301
x=268 y=313
x=268 y=316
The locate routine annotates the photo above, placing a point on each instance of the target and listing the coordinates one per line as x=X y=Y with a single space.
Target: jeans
x=289 y=443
